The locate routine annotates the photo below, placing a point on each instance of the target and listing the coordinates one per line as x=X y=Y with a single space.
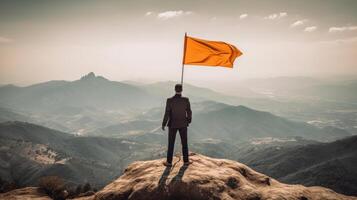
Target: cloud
x=342 y=29
x=172 y=14
x=310 y=29
x=298 y=23
x=148 y=13
x=242 y=16
x=283 y=14
x=5 y=40
x=341 y=41
x=276 y=16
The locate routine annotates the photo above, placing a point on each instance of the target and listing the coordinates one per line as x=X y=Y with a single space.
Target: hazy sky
x=142 y=40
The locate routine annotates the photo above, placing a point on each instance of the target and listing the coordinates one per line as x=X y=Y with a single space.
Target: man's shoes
x=188 y=163
x=167 y=164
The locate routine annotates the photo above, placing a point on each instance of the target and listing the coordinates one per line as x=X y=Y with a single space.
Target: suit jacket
x=178 y=112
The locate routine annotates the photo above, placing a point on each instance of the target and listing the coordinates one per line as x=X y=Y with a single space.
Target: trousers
x=172 y=137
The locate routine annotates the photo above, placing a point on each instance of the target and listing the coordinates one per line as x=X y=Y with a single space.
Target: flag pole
x=183 y=58
x=182 y=74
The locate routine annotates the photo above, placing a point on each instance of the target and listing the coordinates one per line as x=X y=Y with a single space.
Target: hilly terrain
x=196 y=94
x=225 y=122
x=96 y=127
x=331 y=165
x=89 y=91
x=87 y=104
x=341 y=91
x=329 y=101
x=11 y=115
x=94 y=102
x=328 y=89
x=29 y=151
x=205 y=178
x=242 y=123
x=92 y=91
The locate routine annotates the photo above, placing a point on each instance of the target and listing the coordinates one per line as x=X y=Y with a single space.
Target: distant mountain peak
x=92 y=76
x=89 y=76
x=243 y=107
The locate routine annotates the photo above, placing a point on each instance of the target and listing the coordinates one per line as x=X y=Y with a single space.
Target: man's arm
x=166 y=115
x=188 y=111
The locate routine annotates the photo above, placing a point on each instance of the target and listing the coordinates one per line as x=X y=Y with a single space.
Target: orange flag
x=209 y=53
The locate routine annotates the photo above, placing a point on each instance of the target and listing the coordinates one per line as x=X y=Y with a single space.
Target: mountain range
x=86 y=104
x=225 y=122
x=90 y=129
x=29 y=151
x=330 y=165
x=93 y=102
x=89 y=91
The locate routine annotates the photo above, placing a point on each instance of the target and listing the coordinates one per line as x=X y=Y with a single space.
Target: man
x=178 y=116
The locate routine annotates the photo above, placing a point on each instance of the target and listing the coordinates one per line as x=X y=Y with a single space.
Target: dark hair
x=178 y=88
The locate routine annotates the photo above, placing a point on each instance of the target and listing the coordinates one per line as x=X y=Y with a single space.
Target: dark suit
x=178 y=116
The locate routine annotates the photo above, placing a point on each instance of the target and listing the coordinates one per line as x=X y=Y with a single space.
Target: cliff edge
x=206 y=178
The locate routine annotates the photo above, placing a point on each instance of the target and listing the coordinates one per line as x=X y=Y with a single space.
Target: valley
x=90 y=129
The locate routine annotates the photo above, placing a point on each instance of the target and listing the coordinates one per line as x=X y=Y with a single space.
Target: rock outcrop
x=25 y=193
x=205 y=179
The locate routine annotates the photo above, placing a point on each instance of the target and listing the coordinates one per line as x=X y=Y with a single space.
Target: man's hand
x=163 y=128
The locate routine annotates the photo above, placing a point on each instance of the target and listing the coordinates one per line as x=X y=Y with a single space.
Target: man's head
x=178 y=88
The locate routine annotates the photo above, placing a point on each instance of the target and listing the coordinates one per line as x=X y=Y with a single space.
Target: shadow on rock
x=165 y=174
x=180 y=173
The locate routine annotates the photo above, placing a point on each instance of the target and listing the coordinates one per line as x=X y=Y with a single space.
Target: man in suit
x=178 y=116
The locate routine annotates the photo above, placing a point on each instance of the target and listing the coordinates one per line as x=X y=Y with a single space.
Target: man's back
x=178 y=112
x=177 y=116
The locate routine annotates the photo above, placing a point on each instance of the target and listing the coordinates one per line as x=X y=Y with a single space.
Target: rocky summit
x=25 y=193
x=206 y=178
